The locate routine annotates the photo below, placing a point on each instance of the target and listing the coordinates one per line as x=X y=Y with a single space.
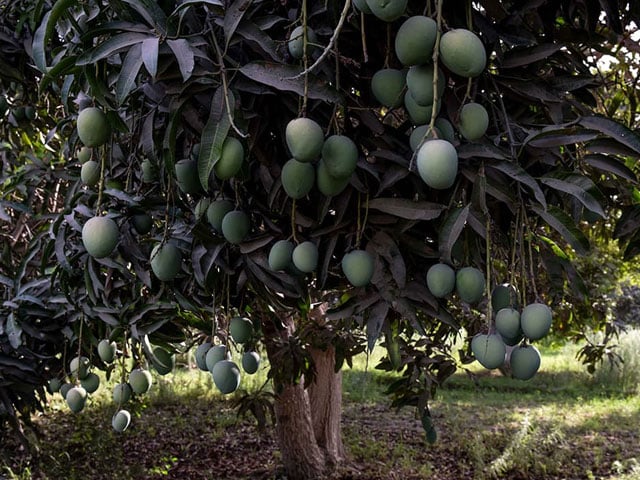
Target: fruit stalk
x=488 y=267
x=101 y=184
x=293 y=221
x=530 y=252
x=305 y=59
x=225 y=87
x=436 y=55
x=332 y=40
x=80 y=343
x=363 y=37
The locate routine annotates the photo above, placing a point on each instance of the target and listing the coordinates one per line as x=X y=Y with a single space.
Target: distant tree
x=189 y=87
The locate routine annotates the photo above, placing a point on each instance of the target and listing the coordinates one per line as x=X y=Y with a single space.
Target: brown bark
x=325 y=395
x=302 y=457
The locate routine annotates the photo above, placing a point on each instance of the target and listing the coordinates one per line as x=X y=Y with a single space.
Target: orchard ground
x=562 y=424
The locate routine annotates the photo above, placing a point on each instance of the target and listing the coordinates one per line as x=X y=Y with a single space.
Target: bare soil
x=188 y=440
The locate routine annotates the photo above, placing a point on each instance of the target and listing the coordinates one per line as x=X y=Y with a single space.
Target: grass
x=563 y=423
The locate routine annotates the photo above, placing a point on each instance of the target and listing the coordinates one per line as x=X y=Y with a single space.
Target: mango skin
x=305 y=138
x=463 y=53
x=93 y=127
x=358 y=267
x=437 y=162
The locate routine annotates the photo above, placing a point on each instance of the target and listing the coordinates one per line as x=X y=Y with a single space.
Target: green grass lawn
x=562 y=424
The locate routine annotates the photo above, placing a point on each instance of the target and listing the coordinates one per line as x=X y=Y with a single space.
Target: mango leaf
x=573 y=187
x=185 y=56
x=189 y=3
x=633 y=247
x=58 y=9
x=128 y=73
x=147 y=136
x=232 y=17
x=451 y=230
x=213 y=136
x=519 y=174
x=250 y=31
x=532 y=89
x=479 y=193
x=628 y=223
x=612 y=10
x=609 y=146
x=556 y=137
x=38 y=45
x=111 y=46
x=171 y=133
x=63 y=67
x=13 y=331
x=392 y=175
x=44 y=32
x=614 y=130
x=385 y=245
x=525 y=56
x=610 y=164
x=375 y=321
x=569 y=83
x=150 y=55
x=284 y=77
x=407 y=209
x=481 y=150
x=564 y=225
x=152 y=14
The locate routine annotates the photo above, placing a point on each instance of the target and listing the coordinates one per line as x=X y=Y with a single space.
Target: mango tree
x=312 y=179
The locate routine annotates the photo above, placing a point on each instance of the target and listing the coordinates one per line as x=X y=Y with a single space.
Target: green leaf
x=213 y=136
x=189 y=3
x=375 y=321
x=39 y=46
x=128 y=73
x=531 y=89
x=58 y=9
x=13 y=331
x=250 y=31
x=152 y=14
x=520 y=57
x=610 y=164
x=628 y=223
x=450 y=231
x=44 y=32
x=555 y=137
x=232 y=17
x=111 y=46
x=609 y=146
x=614 y=130
x=481 y=150
x=407 y=209
x=519 y=174
x=171 y=133
x=574 y=186
x=564 y=225
x=184 y=54
x=284 y=77
x=61 y=68
x=479 y=193
x=150 y=55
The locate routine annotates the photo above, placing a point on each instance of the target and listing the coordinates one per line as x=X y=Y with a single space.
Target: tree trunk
x=325 y=395
x=302 y=457
x=308 y=420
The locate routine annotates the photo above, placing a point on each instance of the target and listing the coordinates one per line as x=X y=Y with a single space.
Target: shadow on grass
x=169 y=438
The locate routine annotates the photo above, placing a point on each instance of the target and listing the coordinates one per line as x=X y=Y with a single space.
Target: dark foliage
x=177 y=78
